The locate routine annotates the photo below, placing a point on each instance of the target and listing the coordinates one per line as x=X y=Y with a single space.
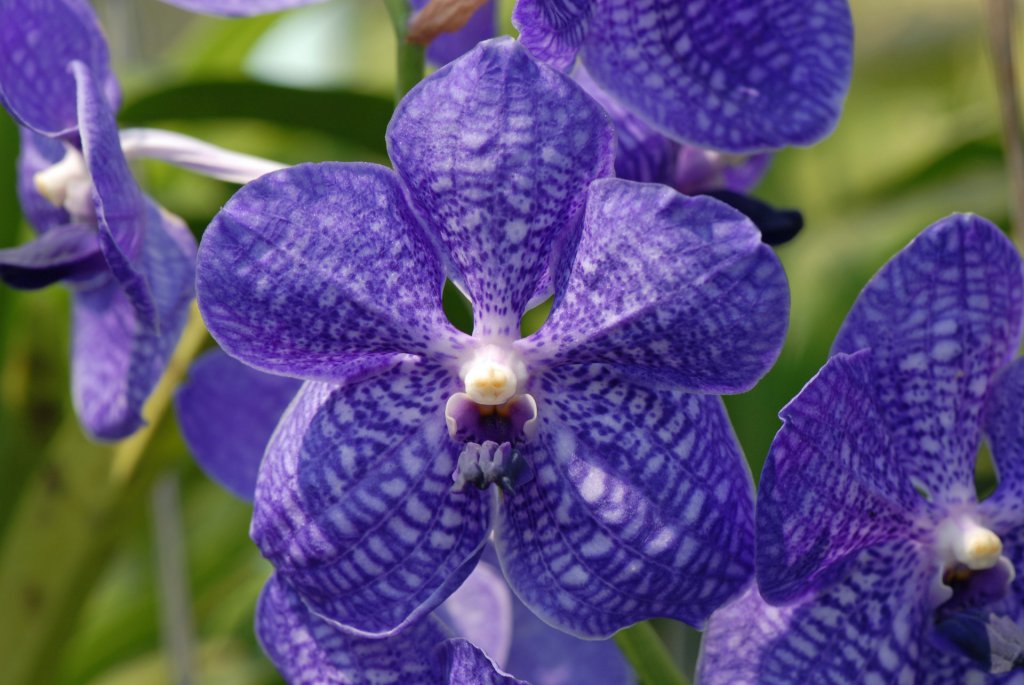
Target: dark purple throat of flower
x=492 y=418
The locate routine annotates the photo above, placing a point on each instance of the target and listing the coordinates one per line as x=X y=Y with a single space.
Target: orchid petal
x=481 y=611
x=700 y=302
x=66 y=252
x=318 y=269
x=308 y=650
x=727 y=75
x=353 y=503
x=553 y=30
x=227 y=412
x=37 y=153
x=465 y=664
x=641 y=505
x=497 y=152
x=941 y=318
x=450 y=46
x=1004 y=425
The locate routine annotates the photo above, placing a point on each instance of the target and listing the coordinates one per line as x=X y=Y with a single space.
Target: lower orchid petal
x=868 y=628
x=641 y=506
x=833 y=482
x=465 y=664
x=354 y=505
x=116 y=358
x=481 y=611
x=227 y=412
x=66 y=252
x=308 y=650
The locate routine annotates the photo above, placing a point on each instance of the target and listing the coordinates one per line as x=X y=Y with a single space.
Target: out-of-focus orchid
x=623 y=494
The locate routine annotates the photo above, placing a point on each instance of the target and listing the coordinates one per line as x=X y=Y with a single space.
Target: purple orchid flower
x=730 y=75
x=450 y=46
x=623 y=493
x=871 y=542
x=128 y=263
x=227 y=413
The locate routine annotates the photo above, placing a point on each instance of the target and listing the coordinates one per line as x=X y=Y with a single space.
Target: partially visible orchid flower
x=227 y=413
x=882 y=565
x=128 y=262
x=459 y=38
x=732 y=75
x=621 y=492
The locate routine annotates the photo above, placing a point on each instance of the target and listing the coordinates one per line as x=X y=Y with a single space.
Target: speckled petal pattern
x=497 y=152
x=116 y=359
x=312 y=270
x=1004 y=427
x=310 y=651
x=465 y=664
x=353 y=503
x=227 y=412
x=66 y=252
x=941 y=318
x=867 y=629
x=641 y=506
x=729 y=74
x=698 y=302
x=121 y=211
x=481 y=611
x=39 y=39
x=36 y=153
x=832 y=484
x=553 y=30
x=239 y=8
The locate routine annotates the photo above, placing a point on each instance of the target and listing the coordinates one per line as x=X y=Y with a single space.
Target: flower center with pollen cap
x=68 y=185
x=971 y=565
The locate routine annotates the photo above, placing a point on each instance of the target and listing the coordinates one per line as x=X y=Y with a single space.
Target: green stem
x=1002 y=36
x=648 y=655
x=66 y=528
x=411 y=61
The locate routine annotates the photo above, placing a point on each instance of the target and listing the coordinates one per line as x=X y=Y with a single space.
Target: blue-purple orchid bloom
x=128 y=262
x=881 y=564
x=227 y=413
x=730 y=75
x=623 y=493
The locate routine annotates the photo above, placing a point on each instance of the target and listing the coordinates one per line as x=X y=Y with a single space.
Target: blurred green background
x=919 y=139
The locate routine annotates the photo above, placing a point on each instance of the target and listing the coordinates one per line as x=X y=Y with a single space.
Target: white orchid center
x=963 y=541
x=493 y=376
x=67 y=184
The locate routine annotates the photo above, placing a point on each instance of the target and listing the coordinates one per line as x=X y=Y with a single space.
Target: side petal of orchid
x=832 y=485
x=316 y=269
x=481 y=611
x=870 y=628
x=465 y=664
x=67 y=252
x=542 y=655
x=497 y=152
x=239 y=8
x=553 y=30
x=699 y=302
x=354 y=505
x=727 y=75
x=38 y=39
x=36 y=153
x=941 y=318
x=1004 y=425
x=641 y=505
x=227 y=412
x=121 y=210
x=308 y=650
x=117 y=359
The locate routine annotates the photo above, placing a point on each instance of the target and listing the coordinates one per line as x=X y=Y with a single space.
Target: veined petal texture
x=553 y=30
x=941 y=319
x=497 y=152
x=642 y=505
x=669 y=288
x=732 y=75
x=310 y=651
x=311 y=270
x=833 y=483
x=36 y=86
x=227 y=412
x=481 y=611
x=354 y=505
x=239 y=8
x=465 y=664
x=1004 y=426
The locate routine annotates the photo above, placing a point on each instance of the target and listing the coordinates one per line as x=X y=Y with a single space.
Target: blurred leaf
x=356 y=118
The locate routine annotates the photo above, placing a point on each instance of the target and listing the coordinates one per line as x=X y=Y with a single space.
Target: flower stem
x=1002 y=34
x=67 y=525
x=410 y=57
x=648 y=656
